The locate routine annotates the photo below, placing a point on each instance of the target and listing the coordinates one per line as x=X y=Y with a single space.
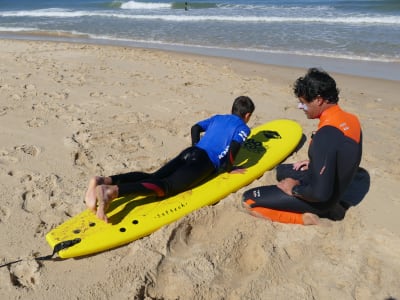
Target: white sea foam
x=16 y=29
x=62 y=13
x=144 y=5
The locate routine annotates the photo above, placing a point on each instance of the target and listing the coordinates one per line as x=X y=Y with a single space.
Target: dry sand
x=70 y=111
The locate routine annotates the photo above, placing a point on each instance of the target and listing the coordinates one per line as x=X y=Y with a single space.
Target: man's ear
x=320 y=100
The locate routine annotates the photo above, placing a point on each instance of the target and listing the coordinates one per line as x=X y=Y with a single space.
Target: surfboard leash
x=58 y=247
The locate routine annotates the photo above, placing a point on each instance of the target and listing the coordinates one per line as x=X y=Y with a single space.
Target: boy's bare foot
x=105 y=194
x=310 y=219
x=90 y=197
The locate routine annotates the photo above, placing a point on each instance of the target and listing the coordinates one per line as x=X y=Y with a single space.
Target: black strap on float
x=270 y=134
x=58 y=247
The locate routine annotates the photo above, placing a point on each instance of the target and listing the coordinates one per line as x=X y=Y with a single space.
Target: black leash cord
x=58 y=247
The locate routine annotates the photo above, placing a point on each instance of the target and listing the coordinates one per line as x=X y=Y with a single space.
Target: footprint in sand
x=25 y=274
x=30 y=202
x=36 y=188
x=41 y=229
x=4 y=214
x=4 y=110
x=36 y=122
x=29 y=90
x=7 y=156
x=28 y=149
x=14 y=154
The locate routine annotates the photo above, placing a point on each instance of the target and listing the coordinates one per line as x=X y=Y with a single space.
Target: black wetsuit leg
x=191 y=167
x=272 y=197
x=129 y=177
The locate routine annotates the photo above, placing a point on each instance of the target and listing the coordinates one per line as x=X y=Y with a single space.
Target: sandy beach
x=71 y=111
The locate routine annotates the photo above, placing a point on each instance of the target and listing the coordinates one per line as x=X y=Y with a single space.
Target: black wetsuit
x=334 y=155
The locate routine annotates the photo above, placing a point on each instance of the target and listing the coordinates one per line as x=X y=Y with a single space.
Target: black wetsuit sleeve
x=322 y=167
x=234 y=148
x=195 y=133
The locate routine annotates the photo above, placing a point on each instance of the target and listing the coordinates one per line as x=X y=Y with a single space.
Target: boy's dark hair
x=316 y=83
x=242 y=105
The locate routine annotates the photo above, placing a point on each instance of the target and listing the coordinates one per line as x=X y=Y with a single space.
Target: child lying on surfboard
x=215 y=149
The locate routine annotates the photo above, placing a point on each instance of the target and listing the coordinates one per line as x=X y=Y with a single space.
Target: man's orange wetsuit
x=334 y=153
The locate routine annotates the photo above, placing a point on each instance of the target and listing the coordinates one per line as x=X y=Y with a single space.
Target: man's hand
x=301 y=165
x=287 y=184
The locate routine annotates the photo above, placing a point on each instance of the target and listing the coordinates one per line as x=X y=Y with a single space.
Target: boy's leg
x=129 y=177
x=196 y=169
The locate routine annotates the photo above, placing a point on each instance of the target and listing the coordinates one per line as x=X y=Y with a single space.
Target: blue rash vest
x=220 y=131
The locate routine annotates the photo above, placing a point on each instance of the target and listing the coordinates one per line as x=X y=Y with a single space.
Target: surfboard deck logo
x=131 y=218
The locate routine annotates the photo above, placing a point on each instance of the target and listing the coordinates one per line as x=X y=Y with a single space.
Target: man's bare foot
x=310 y=219
x=90 y=197
x=247 y=206
x=105 y=194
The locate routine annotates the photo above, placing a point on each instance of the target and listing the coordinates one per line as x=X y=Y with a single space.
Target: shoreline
x=345 y=66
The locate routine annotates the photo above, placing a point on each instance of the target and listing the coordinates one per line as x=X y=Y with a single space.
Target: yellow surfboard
x=131 y=218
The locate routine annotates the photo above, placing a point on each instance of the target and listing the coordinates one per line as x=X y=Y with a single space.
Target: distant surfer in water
x=315 y=187
x=214 y=150
x=186 y=6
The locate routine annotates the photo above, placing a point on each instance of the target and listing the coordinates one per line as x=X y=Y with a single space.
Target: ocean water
x=363 y=31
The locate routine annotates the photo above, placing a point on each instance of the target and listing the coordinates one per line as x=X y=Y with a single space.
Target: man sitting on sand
x=217 y=148
x=313 y=188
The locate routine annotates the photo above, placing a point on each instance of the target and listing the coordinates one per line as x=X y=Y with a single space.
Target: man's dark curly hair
x=316 y=83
